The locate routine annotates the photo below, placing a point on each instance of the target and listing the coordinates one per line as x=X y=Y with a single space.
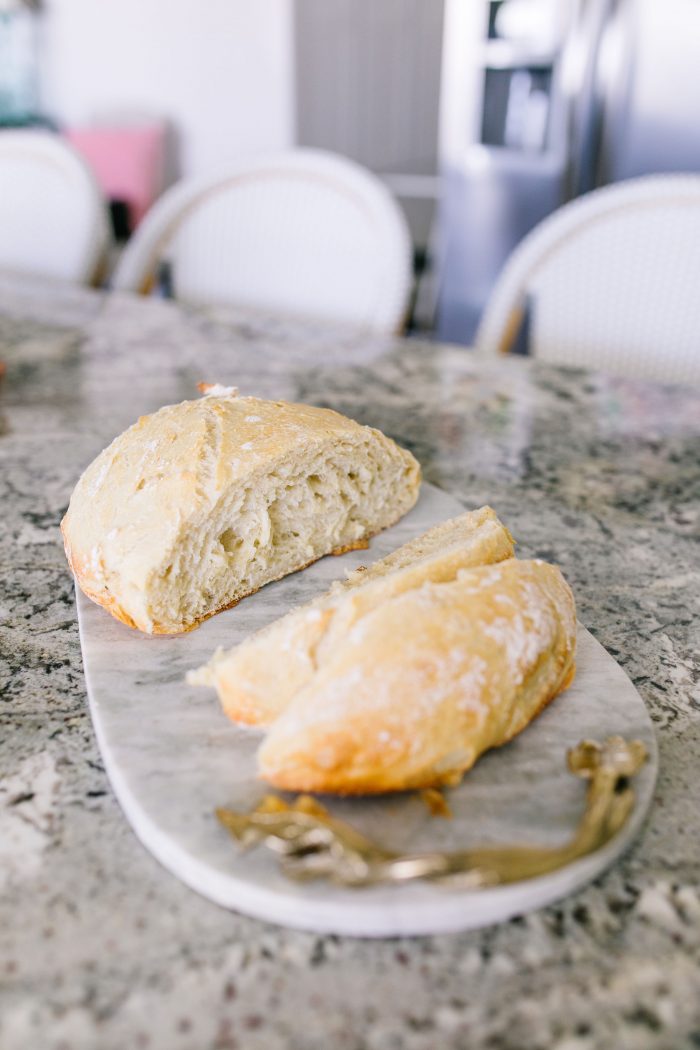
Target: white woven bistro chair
x=610 y=281
x=302 y=232
x=53 y=221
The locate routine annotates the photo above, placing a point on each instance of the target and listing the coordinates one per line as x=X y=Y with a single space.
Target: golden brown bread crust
x=103 y=597
x=257 y=679
x=174 y=521
x=427 y=682
x=108 y=602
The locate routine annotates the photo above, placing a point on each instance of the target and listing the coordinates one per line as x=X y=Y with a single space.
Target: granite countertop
x=99 y=946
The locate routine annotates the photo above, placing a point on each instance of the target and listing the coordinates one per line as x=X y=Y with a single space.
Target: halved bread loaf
x=257 y=679
x=426 y=681
x=202 y=503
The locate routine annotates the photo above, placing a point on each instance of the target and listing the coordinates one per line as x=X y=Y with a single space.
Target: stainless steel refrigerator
x=542 y=100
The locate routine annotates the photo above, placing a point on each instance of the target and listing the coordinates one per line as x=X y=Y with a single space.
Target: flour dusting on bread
x=206 y=501
x=256 y=680
x=426 y=682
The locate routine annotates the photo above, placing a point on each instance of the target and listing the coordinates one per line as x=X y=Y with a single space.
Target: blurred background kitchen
x=481 y=117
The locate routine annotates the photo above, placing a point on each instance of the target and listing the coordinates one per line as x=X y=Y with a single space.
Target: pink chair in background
x=127 y=161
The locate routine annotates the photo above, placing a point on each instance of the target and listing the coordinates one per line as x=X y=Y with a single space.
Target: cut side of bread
x=424 y=683
x=258 y=679
x=201 y=503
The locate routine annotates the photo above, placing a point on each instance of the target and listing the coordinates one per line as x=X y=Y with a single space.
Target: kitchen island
x=100 y=946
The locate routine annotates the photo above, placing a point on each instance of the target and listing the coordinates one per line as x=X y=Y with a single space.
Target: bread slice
x=200 y=504
x=257 y=679
x=425 y=682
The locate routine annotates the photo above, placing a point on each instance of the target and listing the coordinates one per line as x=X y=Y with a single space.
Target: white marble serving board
x=172 y=758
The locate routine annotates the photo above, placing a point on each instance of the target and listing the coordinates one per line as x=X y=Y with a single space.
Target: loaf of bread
x=257 y=679
x=426 y=681
x=200 y=504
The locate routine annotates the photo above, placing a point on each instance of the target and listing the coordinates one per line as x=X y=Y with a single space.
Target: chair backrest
x=303 y=232
x=609 y=281
x=53 y=222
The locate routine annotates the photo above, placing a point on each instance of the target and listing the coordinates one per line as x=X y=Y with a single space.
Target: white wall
x=219 y=71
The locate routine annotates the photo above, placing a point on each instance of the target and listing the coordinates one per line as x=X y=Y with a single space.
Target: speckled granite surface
x=99 y=947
